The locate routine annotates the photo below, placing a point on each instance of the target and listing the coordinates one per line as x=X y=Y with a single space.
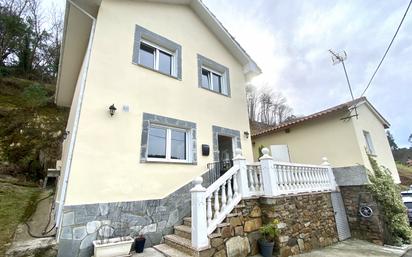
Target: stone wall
x=371 y=229
x=307 y=221
x=82 y=224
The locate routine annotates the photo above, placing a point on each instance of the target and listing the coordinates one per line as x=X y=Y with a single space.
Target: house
x=157 y=92
x=346 y=134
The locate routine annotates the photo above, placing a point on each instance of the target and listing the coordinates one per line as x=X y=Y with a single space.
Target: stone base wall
x=82 y=224
x=371 y=229
x=307 y=221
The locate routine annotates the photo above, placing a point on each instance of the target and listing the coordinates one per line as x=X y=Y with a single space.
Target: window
x=167 y=144
x=213 y=76
x=153 y=57
x=157 y=53
x=211 y=80
x=369 y=144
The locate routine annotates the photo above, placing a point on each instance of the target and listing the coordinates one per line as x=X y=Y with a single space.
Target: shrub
x=388 y=196
x=35 y=95
x=270 y=231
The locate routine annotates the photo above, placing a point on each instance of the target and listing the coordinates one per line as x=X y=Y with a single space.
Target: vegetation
x=387 y=194
x=267 y=106
x=31 y=127
x=270 y=231
x=391 y=141
x=405 y=174
x=15 y=202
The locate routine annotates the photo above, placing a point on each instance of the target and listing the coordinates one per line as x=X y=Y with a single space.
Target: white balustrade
x=211 y=206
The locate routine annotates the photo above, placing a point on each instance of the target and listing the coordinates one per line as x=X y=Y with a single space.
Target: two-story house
x=157 y=92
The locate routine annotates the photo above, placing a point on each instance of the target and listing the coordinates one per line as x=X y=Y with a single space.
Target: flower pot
x=139 y=244
x=113 y=247
x=266 y=248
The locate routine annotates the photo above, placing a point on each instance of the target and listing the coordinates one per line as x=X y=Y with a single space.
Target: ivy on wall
x=388 y=196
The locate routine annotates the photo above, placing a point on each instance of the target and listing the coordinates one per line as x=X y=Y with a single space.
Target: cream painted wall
x=325 y=137
x=369 y=122
x=106 y=162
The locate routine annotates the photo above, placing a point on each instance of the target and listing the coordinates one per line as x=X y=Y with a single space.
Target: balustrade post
x=242 y=178
x=269 y=178
x=333 y=185
x=199 y=219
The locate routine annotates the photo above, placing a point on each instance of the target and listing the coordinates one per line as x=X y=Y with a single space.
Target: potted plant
x=269 y=232
x=111 y=247
x=139 y=243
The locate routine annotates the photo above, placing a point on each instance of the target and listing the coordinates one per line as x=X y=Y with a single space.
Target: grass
x=405 y=174
x=16 y=205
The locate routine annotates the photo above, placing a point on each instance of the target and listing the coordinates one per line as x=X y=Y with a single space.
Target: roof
x=341 y=107
x=72 y=68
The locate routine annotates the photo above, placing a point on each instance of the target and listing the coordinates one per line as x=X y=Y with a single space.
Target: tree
x=12 y=29
x=391 y=141
x=267 y=106
x=410 y=138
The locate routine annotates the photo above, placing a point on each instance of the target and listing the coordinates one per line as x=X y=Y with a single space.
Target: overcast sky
x=290 y=40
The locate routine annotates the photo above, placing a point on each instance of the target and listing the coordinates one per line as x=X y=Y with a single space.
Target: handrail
x=220 y=181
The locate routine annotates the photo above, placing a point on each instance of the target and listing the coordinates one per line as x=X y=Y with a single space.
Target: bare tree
x=267 y=106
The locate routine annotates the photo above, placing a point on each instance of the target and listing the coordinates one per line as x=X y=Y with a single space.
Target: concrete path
x=356 y=248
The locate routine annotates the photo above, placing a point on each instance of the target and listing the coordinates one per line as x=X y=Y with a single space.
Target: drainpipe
x=67 y=169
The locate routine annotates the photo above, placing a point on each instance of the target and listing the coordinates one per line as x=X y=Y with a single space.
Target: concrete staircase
x=179 y=244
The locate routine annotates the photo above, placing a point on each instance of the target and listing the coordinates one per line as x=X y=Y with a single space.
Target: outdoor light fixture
x=112 y=109
x=246 y=134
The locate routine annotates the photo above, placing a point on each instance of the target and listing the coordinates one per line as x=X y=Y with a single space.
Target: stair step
x=235 y=214
x=240 y=206
x=223 y=224
x=183 y=231
x=213 y=235
x=182 y=244
x=170 y=251
x=187 y=221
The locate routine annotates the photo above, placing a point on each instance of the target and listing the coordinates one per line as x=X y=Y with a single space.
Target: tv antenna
x=341 y=58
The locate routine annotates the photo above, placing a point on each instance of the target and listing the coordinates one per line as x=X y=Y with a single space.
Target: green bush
x=388 y=196
x=270 y=231
x=35 y=95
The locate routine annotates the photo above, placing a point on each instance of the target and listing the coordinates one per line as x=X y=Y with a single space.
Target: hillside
x=31 y=128
x=405 y=174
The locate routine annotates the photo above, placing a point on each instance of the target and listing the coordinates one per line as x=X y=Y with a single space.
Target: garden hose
x=48 y=223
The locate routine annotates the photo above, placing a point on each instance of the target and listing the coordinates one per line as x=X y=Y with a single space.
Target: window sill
x=210 y=90
x=167 y=162
x=165 y=74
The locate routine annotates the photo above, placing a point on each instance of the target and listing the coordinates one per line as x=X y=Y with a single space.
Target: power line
x=387 y=50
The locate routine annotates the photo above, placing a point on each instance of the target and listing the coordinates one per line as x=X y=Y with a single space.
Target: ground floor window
x=167 y=143
x=166 y=139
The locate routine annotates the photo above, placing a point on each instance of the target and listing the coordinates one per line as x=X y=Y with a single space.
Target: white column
x=199 y=220
x=242 y=178
x=269 y=178
x=334 y=186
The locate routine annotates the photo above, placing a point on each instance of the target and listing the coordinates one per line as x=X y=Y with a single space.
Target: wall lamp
x=112 y=109
x=246 y=134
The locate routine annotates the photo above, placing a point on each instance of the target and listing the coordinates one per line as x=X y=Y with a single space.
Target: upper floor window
x=157 y=58
x=213 y=76
x=157 y=53
x=369 y=145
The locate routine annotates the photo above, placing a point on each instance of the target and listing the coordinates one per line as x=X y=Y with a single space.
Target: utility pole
x=340 y=58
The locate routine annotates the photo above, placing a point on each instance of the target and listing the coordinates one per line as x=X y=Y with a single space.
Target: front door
x=225 y=146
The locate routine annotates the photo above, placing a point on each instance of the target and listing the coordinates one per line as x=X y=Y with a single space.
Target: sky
x=290 y=39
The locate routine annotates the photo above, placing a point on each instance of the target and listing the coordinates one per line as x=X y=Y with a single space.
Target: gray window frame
x=157 y=120
x=210 y=65
x=162 y=43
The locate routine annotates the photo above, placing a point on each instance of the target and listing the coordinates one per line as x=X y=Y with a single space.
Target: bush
x=388 y=196
x=270 y=231
x=35 y=95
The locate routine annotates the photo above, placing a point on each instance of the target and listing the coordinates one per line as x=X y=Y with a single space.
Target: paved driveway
x=356 y=248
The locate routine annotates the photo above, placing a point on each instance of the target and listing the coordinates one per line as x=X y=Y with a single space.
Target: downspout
x=67 y=169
